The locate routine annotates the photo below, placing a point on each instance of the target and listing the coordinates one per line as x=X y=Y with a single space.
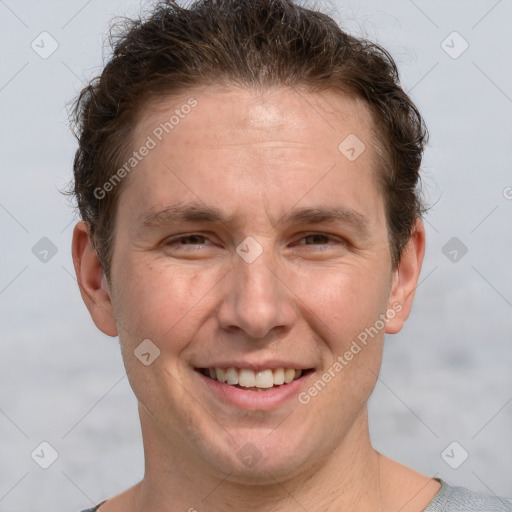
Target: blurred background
x=443 y=403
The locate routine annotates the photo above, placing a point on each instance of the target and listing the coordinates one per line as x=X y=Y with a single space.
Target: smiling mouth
x=250 y=380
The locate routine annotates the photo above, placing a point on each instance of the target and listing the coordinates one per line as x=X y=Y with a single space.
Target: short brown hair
x=250 y=43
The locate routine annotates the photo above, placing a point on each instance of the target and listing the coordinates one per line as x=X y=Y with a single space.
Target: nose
x=256 y=300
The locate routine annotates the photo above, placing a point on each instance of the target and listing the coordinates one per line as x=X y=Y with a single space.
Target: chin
x=260 y=457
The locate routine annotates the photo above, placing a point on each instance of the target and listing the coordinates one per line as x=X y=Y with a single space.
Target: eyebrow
x=319 y=215
x=182 y=213
x=192 y=212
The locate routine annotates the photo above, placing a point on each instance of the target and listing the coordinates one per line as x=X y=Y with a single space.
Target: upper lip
x=256 y=366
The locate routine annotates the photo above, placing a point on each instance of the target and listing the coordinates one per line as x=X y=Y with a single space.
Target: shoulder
x=460 y=499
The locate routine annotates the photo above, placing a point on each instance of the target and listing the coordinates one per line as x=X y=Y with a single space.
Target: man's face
x=295 y=295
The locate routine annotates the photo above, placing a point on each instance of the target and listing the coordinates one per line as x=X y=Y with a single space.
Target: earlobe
x=92 y=281
x=405 y=279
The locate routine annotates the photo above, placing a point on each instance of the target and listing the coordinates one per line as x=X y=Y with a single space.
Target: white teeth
x=289 y=375
x=279 y=376
x=232 y=376
x=264 y=379
x=246 y=378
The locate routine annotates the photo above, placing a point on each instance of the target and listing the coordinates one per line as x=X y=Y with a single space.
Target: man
x=247 y=178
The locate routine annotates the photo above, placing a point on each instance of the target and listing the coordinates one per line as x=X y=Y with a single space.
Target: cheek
x=344 y=301
x=346 y=307
x=164 y=302
x=166 y=305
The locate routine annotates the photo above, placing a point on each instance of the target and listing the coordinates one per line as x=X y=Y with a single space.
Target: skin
x=256 y=156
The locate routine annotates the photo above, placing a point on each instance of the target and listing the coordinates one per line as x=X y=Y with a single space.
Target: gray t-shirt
x=460 y=499
x=451 y=499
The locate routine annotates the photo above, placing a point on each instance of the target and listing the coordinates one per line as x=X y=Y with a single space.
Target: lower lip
x=255 y=400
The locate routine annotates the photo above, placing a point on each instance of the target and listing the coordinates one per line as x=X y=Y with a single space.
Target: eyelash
x=175 y=241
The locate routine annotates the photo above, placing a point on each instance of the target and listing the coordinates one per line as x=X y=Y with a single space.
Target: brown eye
x=195 y=240
x=190 y=246
x=316 y=239
x=191 y=240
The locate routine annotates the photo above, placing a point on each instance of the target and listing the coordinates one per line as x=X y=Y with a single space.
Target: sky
x=443 y=402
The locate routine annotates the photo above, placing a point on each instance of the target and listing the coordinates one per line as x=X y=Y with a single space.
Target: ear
x=405 y=279
x=92 y=281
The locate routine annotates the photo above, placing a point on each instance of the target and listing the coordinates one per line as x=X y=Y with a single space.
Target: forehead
x=252 y=116
x=272 y=147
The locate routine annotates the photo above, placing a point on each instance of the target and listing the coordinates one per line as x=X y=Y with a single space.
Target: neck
x=174 y=479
